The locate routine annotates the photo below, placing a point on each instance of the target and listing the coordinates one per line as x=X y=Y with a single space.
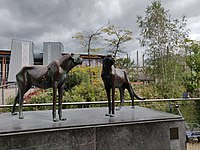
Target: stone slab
x=89 y=129
x=42 y=120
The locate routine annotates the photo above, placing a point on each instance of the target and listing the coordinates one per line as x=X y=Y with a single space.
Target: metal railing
x=81 y=104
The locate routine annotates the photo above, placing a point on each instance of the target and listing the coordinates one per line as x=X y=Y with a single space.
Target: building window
x=174 y=134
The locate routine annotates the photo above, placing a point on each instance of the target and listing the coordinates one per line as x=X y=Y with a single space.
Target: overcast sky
x=58 y=20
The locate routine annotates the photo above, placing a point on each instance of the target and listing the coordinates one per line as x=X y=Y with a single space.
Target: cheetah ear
x=72 y=57
x=113 y=58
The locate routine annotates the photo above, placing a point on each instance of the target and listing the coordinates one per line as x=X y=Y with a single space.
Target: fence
x=82 y=104
x=10 y=90
x=7 y=91
x=189 y=108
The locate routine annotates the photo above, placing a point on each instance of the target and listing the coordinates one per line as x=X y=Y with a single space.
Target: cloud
x=109 y=8
x=59 y=20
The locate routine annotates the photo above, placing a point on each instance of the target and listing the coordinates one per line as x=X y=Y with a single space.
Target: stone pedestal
x=89 y=129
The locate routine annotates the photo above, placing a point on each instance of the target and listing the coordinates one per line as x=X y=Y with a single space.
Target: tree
x=124 y=63
x=116 y=39
x=127 y=64
x=89 y=40
x=164 y=40
x=192 y=76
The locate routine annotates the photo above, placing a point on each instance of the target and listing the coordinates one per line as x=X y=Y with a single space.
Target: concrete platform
x=91 y=129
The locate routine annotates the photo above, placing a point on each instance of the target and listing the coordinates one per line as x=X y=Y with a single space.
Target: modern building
x=95 y=59
x=21 y=55
x=51 y=51
x=4 y=64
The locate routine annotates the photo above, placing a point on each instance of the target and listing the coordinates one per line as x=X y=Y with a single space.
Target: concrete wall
x=51 y=51
x=21 y=55
x=129 y=136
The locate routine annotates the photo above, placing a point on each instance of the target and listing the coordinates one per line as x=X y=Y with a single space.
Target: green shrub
x=78 y=87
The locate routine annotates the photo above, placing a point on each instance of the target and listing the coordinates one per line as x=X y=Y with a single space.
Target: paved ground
x=42 y=120
x=193 y=146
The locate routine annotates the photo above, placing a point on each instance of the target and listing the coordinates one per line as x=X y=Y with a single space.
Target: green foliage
x=10 y=100
x=124 y=63
x=128 y=65
x=87 y=91
x=192 y=76
x=164 y=40
x=78 y=87
x=43 y=96
x=83 y=92
x=74 y=78
x=149 y=92
x=89 y=41
x=116 y=38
